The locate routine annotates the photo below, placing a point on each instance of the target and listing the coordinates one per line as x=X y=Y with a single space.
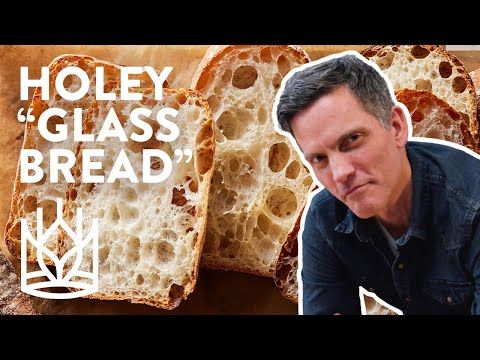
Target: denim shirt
x=437 y=270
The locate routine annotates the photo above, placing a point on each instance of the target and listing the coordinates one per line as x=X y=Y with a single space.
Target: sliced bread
x=259 y=184
x=434 y=118
x=429 y=68
x=151 y=235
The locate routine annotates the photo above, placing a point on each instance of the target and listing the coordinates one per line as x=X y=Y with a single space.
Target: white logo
x=90 y=283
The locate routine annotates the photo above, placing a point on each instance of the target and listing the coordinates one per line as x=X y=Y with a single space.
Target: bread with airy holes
x=429 y=68
x=259 y=184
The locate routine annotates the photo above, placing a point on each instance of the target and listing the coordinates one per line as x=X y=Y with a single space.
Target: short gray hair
x=308 y=85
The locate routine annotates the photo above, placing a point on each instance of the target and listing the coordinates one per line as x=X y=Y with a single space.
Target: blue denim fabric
x=437 y=270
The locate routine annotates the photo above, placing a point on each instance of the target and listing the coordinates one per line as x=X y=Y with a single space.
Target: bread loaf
x=429 y=68
x=259 y=184
x=434 y=118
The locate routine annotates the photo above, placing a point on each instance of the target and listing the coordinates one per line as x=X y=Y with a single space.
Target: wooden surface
x=217 y=292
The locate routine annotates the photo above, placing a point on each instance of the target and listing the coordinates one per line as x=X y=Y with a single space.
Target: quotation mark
x=187 y=152
x=22 y=118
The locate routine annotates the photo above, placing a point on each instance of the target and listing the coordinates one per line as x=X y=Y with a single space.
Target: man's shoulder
x=452 y=165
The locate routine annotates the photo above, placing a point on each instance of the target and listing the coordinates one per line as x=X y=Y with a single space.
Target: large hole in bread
x=227 y=76
x=49 y=212
x=278 y=156
x=132 y=247
x=419 y=52
x=176 y=293
x=178 y=197
x=234 y=123
x=266 y=55
x=264 y=223
x=139 y=280
x=243 y=55
x=163 y=252
x=30 y=204
x=386 y=60
x=283 y=65
x=244 y=77
x=293 y=170
x=421 y=84
x=459 y=84
x=214 y=103
x=445 y=69
x=282 y=202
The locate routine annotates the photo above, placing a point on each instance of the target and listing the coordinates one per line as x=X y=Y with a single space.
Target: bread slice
x=12 y=300
x=259 y=184
x=285 y=276
x=434 y=118
x=429 y=68
x=151 y=235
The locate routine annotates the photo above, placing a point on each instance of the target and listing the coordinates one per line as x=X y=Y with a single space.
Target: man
x=400 y=218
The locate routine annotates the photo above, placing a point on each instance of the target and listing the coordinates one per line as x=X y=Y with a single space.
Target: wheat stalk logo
x=87 y=287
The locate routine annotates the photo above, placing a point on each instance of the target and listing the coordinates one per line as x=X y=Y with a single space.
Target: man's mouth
x=354 y=189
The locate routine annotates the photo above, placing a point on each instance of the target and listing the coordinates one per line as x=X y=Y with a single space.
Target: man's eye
x=353 y=138
x=350 y=141
x=317 y=159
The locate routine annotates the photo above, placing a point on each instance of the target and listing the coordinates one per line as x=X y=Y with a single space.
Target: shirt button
x=371 y=289
x=401 y=266
x=408 y=299
x=449 y=299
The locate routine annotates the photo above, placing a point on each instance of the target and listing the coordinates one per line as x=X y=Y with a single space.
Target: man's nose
x=342 y=169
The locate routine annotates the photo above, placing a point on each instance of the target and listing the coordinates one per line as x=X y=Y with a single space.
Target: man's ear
x=398 y=126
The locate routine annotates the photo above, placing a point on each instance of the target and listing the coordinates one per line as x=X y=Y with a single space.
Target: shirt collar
x=365 y=229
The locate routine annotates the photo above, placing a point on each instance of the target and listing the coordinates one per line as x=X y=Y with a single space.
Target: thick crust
x=12 y=300
x=459 y=86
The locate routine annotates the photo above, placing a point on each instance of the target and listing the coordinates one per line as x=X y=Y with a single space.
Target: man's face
x=353 y=156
